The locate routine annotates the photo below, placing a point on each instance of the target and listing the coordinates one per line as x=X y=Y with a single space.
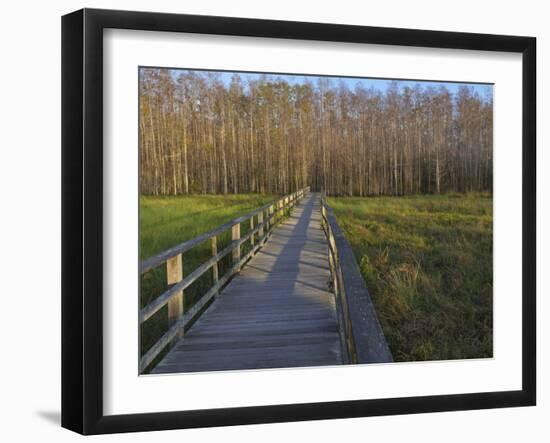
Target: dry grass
x=427 y=261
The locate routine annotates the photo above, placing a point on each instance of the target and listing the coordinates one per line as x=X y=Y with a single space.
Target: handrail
x=267 y=217
x=361 y=333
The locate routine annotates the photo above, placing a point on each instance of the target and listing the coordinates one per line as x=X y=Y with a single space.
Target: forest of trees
x=199 y=134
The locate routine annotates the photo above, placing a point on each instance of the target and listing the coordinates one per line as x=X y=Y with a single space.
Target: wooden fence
x=361 y=334
x=261 y=222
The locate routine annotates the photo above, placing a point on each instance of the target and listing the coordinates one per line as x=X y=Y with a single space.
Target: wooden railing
x=360 y=331
x=261 y=222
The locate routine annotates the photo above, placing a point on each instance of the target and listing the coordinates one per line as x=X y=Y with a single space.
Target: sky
x=484 y=90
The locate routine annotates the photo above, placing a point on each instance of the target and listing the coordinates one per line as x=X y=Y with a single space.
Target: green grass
x=427 y=261
x=168 y=221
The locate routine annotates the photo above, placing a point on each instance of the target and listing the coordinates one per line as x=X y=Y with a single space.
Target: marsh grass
x=427 y=261
x=168 y=221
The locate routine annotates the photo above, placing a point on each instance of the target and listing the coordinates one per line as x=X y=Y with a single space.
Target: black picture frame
x=82 y=218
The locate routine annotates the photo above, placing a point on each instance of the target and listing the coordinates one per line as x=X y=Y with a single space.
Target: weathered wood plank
x=272 y=353
x=207 y=344
x=267 y=317
x=252 y=228
x=214 y=249
x=174 y=274
x=282 y=326
x=261 y=222
x=236 y=236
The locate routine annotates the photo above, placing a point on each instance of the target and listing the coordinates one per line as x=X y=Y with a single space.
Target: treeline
x=199 y=134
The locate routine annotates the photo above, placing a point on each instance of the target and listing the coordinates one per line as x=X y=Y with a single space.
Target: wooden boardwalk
x=277 y=312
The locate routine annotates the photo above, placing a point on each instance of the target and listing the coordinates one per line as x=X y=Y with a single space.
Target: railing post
x=236 y=235
x=174 y=274
x=251 y=228
x=332 y=266
x=260 y=223
x=214 y=244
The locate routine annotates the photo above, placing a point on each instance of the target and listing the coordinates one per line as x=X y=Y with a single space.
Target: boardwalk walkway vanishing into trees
x=296 y=299
x=277 y=312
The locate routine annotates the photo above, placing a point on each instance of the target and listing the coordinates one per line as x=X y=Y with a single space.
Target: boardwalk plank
x=277 y=312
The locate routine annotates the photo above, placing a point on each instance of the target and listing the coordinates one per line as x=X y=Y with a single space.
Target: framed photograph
x=269 y=221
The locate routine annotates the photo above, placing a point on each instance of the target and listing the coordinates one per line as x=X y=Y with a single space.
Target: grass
x=168 y=221
x=427 y=261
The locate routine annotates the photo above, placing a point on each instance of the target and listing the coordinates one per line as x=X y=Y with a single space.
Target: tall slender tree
x=202 y=134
